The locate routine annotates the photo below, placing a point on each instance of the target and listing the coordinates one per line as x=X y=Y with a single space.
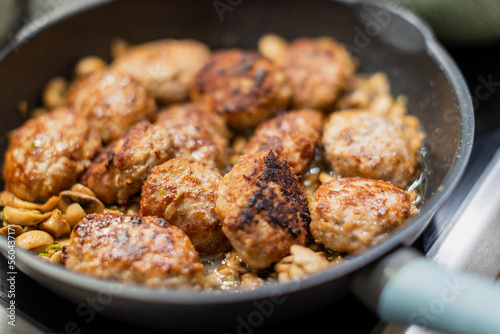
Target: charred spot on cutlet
x=111 y=156
x=267 y=204
x=259 y=76
x=161 y=222
x=244 y=65
x=136 y=220
x=64 y=255
x=279 y=172
x=84 y=228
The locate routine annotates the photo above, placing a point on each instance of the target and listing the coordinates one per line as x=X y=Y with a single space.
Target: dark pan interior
x=381 y=39
x=373 y=37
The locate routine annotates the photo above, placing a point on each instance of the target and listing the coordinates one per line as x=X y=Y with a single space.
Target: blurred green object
x=459 y=22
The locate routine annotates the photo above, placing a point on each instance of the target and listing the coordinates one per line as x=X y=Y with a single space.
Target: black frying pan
x=384 y=38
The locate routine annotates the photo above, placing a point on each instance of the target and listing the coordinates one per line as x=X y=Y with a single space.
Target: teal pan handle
x=418 y=291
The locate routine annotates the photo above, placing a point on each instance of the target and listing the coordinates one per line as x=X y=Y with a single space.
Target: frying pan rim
x=27 y=262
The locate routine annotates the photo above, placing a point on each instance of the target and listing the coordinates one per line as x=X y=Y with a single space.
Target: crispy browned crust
x=317 y=70
x=263 y=209
x=184 y=194
x=243 y=86
x=350 y=214
x=121 y=168
x=165 y=67
x=292 y=135
x=111 y=103
x=199 y=135
x=364 y=144
x=48 y=154
x=133 y=249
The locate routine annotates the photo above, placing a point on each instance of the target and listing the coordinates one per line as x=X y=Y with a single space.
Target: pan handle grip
x=417 y=291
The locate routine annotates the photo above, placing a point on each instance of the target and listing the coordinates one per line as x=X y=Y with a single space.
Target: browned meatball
x=359 y=143
x=199 y=135
x=263 y=209
x=165 y=67
x=350 y=214
x=184 y=194
x=243 y=86
x=112 y=103
x=292 y=135
x=48 y=154
x=317 y=69
x=121 y=168
x=134 y=249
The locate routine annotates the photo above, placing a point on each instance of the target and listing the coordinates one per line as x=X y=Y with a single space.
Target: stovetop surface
x=51 y=313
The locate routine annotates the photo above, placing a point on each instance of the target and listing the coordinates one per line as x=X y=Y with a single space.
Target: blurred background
x=468 y=29
x=460 y=23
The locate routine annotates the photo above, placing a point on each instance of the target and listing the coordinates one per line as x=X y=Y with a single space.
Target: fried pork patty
x=133 y=249
x=350 y=214
x=242 y=86
x=121 y=168
x=48 y=154
x=360 y=143
x=184 y=194
x=198 y=135
x=292 y=135
x=317 y=69
x=263 y=209
x=165 y=67
x=112 y=103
